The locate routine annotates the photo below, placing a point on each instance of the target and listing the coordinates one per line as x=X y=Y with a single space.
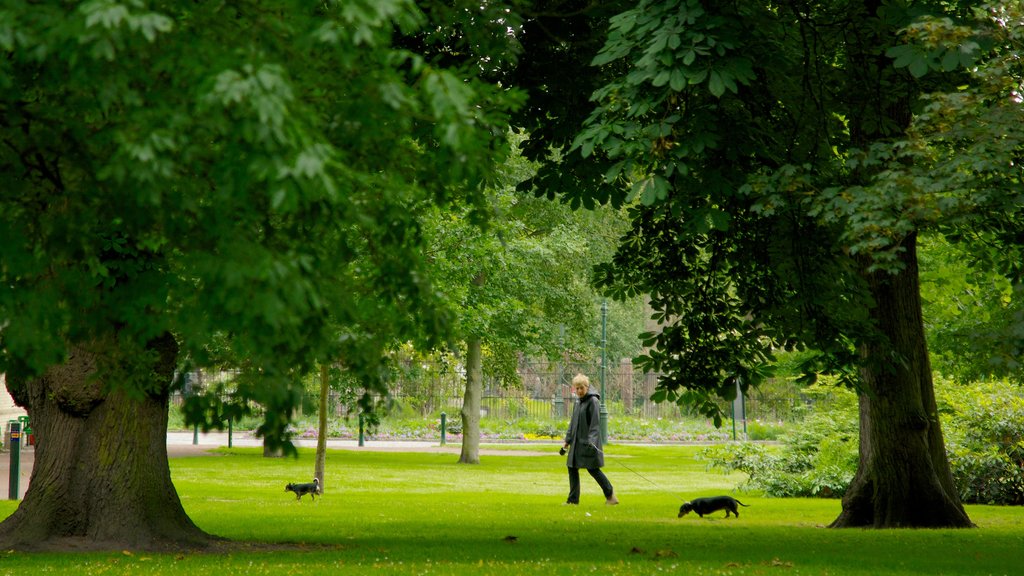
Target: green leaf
x=910 y=57
x=918 y=68
x=719 y=220
x=678 y=81
x=715 y=84
x=105 y=14
x=587 y=148
x=650 y=190
x=902 y=55
x=950 y=60
x=613 y=172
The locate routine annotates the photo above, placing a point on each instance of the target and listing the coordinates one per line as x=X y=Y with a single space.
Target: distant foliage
x=983 y=422
x=818 y=457
x=985 y=441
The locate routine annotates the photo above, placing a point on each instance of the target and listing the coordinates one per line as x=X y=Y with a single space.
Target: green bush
x=675 y=430
x=983 y=423
x=758 y=430
x=986 y=476
x=817 y=458
x=985 y=441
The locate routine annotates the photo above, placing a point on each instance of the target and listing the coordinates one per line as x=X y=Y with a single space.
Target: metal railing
x=544 y=391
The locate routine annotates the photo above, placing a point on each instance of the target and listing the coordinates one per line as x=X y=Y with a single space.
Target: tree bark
x=321 y=436
x=903 y=479
x=471 y=403
x=271 y=452
x=101 y=479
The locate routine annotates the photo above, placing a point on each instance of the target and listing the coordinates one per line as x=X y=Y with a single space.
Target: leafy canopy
x=244 y=175
x=761 y=151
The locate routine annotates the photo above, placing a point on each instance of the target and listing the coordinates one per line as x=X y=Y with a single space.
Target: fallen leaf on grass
x=665 y=554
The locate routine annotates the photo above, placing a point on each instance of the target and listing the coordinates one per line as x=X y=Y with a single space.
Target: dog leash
x=620 y=463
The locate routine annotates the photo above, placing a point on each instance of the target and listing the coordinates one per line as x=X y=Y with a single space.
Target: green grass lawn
x=421 y=513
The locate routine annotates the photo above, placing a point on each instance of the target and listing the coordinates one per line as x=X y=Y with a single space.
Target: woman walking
x=583 y=442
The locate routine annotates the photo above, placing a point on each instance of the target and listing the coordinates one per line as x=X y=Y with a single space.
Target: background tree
x=178 y=175
x=742 y=134
x=520 y=286
x=320 y=466
x=974 y=316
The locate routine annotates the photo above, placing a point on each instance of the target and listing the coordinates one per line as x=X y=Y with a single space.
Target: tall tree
x=974 y=316
x=180 y=173
x=742 y=134
x=513 y=285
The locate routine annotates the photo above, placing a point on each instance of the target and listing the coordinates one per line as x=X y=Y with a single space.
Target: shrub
x=765 y=431
x=986 y=476
x=665 y=430
x=817 y=458
x=983 y=422
x=985 y=441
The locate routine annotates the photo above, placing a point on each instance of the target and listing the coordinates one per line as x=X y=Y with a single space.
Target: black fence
x=543 y=390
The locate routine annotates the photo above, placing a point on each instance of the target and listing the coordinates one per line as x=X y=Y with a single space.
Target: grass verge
x=421 y=513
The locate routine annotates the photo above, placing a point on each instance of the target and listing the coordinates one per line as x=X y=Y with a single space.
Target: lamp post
x=604 y=369
x=559 y=393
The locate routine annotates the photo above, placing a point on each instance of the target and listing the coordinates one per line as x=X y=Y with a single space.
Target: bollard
x=361 y=429
x=195 y=435
x=26 y=430
x=444 y=426
x=230 y=431
x=15 y=458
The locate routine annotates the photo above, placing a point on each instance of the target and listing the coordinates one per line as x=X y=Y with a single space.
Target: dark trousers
x=574 y=483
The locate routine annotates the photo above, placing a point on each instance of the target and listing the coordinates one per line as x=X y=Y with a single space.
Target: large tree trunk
x=101 y=479
x=903 y=479
x=471 y=403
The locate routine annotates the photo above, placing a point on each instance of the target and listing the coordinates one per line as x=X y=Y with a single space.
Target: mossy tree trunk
x=903 y=479
x=101 y=479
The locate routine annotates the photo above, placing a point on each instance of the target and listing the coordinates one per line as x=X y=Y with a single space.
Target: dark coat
x=584 y=436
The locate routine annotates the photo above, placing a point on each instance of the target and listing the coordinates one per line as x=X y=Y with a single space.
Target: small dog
x=312 y=488
x=704 y=506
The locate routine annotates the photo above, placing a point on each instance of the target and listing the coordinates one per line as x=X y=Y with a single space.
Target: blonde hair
x=580 y=379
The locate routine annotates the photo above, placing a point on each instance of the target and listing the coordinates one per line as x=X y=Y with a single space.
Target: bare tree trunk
x=903 y=479
x=101 y=479
x=626 y=384
x=471 y=403
x=321 y=437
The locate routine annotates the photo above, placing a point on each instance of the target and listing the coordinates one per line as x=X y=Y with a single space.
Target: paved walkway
x=246 y=439
x=188 y=444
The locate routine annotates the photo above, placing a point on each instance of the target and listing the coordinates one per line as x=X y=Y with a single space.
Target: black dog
x=312 y=488
x=704 y=506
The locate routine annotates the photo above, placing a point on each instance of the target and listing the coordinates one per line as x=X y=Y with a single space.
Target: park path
x=186 y=443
